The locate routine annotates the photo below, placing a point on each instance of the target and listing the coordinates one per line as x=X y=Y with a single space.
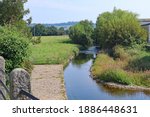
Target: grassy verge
x=128 y=66
x=53 y=50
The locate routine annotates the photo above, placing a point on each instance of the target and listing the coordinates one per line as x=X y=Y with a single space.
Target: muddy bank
x=126 y=87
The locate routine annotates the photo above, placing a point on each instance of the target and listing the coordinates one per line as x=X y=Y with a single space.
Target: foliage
x=116 y=76
x=120 y=53
x=53 y=50
x=126 y=66
x=103 y=62
x=81 y=33
x=12 y=11
x=41 y=30
x=36 y=40
x=118 y=28
x=13 y=47
x=11 y=15
x=140 y=60
x=23 y=28
x=27 y=65
x=140 y=64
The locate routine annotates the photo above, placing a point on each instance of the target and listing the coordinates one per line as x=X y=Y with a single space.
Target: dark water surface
x=80 y=85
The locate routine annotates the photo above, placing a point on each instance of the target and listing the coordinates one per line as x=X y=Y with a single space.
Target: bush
x=119 y=28
x=27 y=65
x=36 y=40
x=120 y=53
x=116 y=76
x=81 y=33
x=140 y=64
x=103 y=62
x=13 y=47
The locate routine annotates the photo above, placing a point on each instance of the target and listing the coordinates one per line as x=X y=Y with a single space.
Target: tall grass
x=129 y=66
x=53 y=50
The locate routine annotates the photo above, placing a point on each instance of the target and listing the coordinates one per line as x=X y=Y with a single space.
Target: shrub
x=102 y=63
x=13 y=47
x=27 y=65
x=81 y=33
x=116 y=76
x=120 y=53
x=119 y=28
x=140 y=64
x=36 y=40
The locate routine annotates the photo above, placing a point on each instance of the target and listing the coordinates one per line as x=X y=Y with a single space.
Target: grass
x=128 y=66
x=53 y=50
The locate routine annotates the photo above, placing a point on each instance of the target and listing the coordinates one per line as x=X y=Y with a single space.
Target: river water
x=81 y=86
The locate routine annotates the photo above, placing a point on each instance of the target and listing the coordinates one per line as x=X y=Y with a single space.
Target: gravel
x=47 y=82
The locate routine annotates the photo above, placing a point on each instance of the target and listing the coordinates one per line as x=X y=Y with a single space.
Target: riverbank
x=49 y=59
x=47 y=82
x=125 y=66
x=124 y=87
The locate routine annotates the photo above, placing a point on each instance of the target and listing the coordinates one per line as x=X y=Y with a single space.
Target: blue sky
x=56 y=11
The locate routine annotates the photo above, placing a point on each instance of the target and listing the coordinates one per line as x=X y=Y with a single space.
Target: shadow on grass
x=67 y=41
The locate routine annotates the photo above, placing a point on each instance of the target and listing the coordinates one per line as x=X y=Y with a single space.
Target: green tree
x=52 y=30
x=81 y=33
x=61 y=31
x=39 y=30
x=12 y=11
x=23 y=28
x=118 y=27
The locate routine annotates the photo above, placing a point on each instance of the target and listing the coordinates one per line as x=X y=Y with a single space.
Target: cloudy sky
x=56 y=11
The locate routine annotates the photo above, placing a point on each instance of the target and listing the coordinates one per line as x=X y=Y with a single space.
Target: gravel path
x=47 y=82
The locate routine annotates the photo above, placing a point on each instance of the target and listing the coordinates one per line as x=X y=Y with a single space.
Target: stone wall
x=2 y=76
x=19 y=79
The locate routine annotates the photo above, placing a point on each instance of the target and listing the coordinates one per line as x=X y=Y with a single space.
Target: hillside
x=66 y=25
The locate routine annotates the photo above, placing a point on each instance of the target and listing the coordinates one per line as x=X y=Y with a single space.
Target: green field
x=53 y=50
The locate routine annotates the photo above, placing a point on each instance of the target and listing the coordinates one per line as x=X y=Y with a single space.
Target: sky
x=58 y=11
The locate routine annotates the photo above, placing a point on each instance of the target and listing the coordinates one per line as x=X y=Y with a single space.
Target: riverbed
x=81 y=86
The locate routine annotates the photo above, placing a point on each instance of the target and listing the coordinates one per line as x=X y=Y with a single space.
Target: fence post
x=2 y=76
x=19 y=80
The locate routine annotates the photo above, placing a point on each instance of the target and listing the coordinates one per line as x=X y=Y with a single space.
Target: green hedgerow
x=13 y=47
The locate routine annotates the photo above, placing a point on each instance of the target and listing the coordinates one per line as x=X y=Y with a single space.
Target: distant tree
x=81 y=33
x=42 y=30
x=61 y=31
x=118 y=27
x=52 y=30
x=38 y=30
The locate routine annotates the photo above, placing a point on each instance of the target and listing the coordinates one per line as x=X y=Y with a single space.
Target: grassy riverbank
x=53 y=50
x=128 y=66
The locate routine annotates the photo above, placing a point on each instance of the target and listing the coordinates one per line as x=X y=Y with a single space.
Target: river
x=81 y=86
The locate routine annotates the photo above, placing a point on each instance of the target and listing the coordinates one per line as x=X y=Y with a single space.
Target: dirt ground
x=47 y=82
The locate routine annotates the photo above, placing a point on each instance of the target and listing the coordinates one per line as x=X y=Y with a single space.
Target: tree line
x=41 y=30
x=112 y=28
x=118 y=27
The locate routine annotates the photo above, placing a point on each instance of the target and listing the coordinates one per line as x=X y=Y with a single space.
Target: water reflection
x=117 y=92
x=81 y=59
